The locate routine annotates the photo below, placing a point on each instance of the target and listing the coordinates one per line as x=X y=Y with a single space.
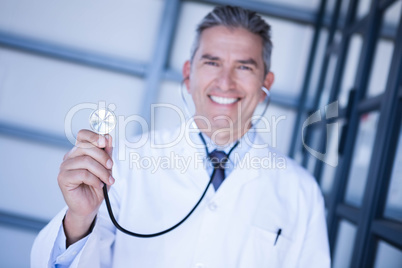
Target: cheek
x=197 y=87
x=196 y=93
x=256 y=94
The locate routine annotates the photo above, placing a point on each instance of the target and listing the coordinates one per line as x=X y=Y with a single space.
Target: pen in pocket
x=277 y=235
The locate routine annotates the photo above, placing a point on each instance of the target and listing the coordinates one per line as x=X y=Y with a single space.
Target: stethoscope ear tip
x=266 y=91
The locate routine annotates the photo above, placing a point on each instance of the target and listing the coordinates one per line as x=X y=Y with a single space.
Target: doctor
x=252 y=216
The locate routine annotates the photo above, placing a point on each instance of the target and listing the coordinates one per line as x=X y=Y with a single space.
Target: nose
x=226 y=79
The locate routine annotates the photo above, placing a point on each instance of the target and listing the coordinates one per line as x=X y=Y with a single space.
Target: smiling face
x=225 y=79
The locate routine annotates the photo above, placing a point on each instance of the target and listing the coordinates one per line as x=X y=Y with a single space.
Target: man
x=255 y=217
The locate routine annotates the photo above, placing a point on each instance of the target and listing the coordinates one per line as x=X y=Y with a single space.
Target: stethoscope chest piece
x=102 y=121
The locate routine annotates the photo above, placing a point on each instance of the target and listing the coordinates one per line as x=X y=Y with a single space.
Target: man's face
x=226 y=76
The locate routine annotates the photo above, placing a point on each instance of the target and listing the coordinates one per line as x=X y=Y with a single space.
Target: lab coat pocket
x=260 y=249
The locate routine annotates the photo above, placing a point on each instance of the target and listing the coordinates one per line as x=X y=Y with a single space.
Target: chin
x=223 y=124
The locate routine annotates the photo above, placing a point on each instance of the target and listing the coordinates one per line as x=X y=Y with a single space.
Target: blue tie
x=218 y=160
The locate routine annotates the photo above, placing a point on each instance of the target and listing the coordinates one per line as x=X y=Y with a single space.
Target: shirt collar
x=245 y=142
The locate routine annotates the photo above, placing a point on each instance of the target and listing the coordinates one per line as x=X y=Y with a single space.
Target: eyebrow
x=249 y=61
x=209 y=57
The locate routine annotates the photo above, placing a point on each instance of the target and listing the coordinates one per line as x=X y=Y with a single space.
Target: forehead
x=230 y=42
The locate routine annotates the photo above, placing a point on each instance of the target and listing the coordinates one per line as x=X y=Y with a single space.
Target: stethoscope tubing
x=107 y=200
x=120 y=228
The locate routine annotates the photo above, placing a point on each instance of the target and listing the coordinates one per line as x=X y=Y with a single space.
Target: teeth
x=222 y=100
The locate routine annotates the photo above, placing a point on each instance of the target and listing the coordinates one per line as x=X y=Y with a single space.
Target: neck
x=222 y=136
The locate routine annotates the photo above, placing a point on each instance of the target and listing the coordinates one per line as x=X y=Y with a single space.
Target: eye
x=212 y=63
x=245 y=67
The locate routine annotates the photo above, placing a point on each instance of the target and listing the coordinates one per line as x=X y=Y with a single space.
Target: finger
x=90 y=164
x=98 y=154
x=109 y=145
x=77 y=177
x=90 y=138
x=67 y=154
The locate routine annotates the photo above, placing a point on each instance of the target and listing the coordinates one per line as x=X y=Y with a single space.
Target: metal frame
x=341 y=58
x=372 y=226
x=369 y=220
x=381 y=163
x=75 y=55
x=306 y=84
x=22 y=222
x=161 y=55
x=46 y=138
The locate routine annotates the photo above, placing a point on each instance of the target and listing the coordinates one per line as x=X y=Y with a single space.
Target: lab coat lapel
x=196 y=172
x=249 y=169
x=243 y=173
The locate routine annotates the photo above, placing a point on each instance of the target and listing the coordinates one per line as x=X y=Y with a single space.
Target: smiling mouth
x=222 y=100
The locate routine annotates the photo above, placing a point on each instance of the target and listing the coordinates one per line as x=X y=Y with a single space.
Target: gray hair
x=236 y=17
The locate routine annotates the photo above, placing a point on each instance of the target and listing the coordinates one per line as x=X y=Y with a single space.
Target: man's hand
x=84 y=170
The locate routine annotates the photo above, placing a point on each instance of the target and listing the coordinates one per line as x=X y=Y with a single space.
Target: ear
x=186 y=74
x=268 y=81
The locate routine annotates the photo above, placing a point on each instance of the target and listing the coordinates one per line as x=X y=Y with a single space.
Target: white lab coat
x=234 y=227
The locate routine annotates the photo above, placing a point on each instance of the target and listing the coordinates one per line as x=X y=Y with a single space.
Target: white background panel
x=173 y=110
x=362 y=154
x=280 y=124
x=15 y=247
x=393 y=13
x=388 y=256
x=380 y=68
x=350 y=70
x=329 y=8
x=112 y=27
x=363 y=8
x=324 y=97
x=344 y=245
x=291 y=43
x=38 y=92
x=332 y=156
x=191 y=14
x=28 y=177
x=318 y=62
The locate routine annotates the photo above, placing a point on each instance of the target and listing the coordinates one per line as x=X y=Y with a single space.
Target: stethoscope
x=105 y=114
